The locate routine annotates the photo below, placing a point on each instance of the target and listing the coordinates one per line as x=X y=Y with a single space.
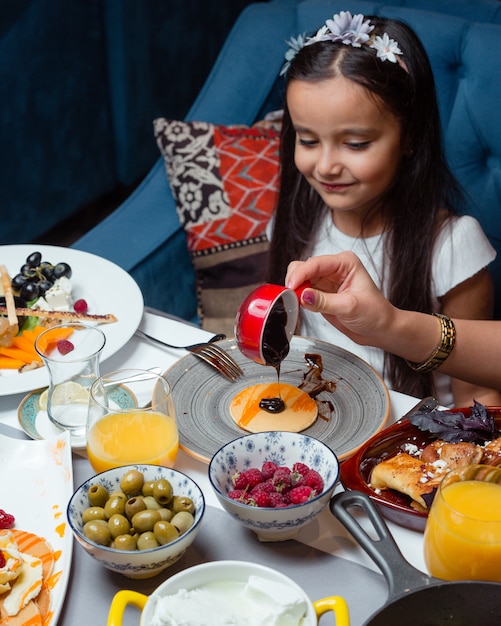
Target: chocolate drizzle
x=314 y=384
x=276 y=347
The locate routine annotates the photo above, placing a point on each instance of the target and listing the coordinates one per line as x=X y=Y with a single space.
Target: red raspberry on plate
x=299 y=495
x=253 y=476
x=81 y=306
x=314 y=480
x=6 y=519
x=64 y=346
x=268 y=469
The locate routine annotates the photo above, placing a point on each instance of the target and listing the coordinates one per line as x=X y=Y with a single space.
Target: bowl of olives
x=136 y=520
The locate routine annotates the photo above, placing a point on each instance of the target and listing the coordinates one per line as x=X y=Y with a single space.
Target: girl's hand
x=342 y=290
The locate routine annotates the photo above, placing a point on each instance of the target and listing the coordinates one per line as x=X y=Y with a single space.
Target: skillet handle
x=400 y=575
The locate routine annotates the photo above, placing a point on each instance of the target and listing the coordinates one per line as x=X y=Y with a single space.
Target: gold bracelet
x=442 y=351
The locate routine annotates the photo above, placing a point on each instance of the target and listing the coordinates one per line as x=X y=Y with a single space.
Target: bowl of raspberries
x=275 y=482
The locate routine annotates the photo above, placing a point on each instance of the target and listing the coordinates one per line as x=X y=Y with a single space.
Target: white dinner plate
x=36 y=486
x=105 y=286
x=356 y=408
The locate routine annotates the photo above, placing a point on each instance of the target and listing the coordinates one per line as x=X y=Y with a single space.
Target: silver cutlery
x=425 y=405
x=208 y=351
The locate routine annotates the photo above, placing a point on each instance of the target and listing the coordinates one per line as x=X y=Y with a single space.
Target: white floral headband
x=351 y=31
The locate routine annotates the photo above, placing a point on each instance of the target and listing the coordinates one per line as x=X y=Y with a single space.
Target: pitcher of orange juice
x=462 y=539
x=131 y=420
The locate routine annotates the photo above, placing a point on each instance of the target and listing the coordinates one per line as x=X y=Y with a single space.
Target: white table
x=326 y=534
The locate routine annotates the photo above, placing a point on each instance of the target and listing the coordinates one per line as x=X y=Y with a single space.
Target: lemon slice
x=64 y=394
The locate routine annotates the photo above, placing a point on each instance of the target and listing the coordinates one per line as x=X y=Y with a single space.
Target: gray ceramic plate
x=358 y=407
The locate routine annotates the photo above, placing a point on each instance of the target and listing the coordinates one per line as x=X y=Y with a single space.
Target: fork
x=208 y=351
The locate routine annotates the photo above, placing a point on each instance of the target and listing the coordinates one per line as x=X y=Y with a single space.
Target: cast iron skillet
x=414 y=598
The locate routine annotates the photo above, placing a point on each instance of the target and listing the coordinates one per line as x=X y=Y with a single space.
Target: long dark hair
x=423 y=195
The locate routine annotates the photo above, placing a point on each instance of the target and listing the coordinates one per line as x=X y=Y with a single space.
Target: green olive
x=145 y=520
x=183 y=521
x=132 y=482
x=93 y=512
x=118 y=525
x=125 y=542
x=146 y=541
x=151 y=503
x=162 y=491
x=147 y=489
x=182 y=503
x=98 y=532
x=116 y=504
x=134 y=505
x=119 y=494
x=97 y=495
x=165 y=532
x=165 y=514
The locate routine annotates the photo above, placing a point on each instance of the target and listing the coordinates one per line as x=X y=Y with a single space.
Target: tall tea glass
x=462 y=539
x=131 y=420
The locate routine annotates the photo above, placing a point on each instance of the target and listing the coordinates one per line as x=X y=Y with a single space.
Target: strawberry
x=64 y=346
x=313 y=479
x=268 y=469
x=298 y=495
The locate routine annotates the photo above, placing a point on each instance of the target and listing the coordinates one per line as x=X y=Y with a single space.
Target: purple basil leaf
x=455 y=426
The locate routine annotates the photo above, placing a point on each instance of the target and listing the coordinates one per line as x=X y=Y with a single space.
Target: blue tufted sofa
x=463 y=40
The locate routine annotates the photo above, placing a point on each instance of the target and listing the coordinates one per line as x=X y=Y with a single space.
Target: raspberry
x=253 y=476
x=64 y=346
x=282 y=478
x=298 y=495
x=81 y=306
x=276 y=500
x=239 y=480
x=266 y=487
x=313 y=479
x=268 y=469
x=300 y=468
x=260 y=498
x=238 y=494
x=6 y=519
x=2 y=560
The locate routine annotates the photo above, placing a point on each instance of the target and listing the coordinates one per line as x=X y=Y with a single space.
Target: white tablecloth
x=326 y=534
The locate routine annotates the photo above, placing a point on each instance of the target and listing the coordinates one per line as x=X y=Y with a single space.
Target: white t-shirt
x=462 y=249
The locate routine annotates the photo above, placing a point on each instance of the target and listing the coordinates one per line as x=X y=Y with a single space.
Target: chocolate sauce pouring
x=275 y=348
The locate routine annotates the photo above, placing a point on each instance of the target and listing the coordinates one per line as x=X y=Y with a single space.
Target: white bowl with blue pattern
x=137 y=563
x=284 y=449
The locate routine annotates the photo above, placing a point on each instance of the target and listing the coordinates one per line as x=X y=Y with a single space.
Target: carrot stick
x=7 y=363
x=20 y=355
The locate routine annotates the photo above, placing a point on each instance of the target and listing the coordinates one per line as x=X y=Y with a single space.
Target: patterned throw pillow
x=225 y=183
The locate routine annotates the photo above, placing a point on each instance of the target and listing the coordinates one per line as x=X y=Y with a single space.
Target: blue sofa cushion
x=224 y=180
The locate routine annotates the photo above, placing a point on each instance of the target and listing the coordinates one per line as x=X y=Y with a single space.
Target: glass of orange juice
x=462 y=539
x=131 y=420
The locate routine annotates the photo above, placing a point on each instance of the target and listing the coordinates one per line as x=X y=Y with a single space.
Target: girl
x=363 y=169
